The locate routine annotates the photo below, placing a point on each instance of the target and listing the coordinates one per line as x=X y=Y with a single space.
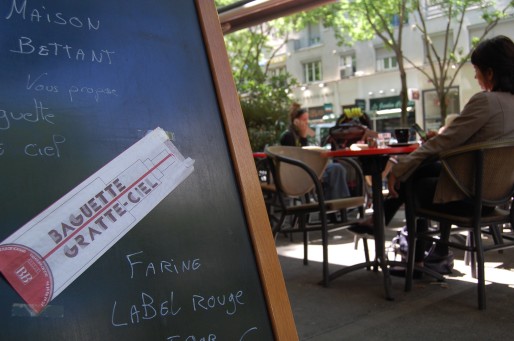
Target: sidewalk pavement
x=354 y=306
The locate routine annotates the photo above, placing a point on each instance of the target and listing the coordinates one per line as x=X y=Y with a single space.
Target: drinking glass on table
x=383 y=139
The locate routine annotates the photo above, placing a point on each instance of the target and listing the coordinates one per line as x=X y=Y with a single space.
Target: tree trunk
x=443 y=106
x=404 y=97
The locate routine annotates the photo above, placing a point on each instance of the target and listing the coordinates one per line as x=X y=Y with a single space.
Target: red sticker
x=28 y=273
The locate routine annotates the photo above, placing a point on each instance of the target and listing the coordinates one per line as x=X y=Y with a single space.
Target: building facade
x=366 y=74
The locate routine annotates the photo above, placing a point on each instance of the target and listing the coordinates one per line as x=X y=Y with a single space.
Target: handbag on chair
x=344 y=135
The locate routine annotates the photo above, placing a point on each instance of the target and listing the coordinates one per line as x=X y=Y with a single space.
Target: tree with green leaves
x=363 y=20
x=263 y=94
x=445 y=62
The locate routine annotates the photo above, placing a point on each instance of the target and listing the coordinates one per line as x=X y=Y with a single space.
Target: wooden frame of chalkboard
x=83 y=88
x=258 y=223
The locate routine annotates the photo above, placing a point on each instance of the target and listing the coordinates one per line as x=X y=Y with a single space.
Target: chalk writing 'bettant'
x=27 y=46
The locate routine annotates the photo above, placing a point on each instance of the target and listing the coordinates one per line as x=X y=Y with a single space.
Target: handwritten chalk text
x=27 y=46
x=146 y=309
x=52 y=150
x=41 y=15
x=160 y=267
x=39 y=115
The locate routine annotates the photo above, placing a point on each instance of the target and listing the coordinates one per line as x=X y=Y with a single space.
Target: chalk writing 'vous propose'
x=27 y=45
x=42 y=84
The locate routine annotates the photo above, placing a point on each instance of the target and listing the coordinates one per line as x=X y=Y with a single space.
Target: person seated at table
x=334 y=181
x=488 y=115
x=393 y=203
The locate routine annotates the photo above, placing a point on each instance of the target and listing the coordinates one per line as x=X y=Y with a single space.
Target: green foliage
x=445 y=64
x=265 y=106
x=263 y=95
x=264 y=124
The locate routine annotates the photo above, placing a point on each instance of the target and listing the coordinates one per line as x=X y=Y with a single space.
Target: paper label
x=48 y=253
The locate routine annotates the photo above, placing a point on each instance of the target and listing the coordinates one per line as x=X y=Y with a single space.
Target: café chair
x=269 y=191
x=297 y=174
x=484 y=173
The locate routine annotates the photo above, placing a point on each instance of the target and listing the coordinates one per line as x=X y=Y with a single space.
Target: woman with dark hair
x=334 y=178
x=494 y=59
x=488 y=116
x=298 y=130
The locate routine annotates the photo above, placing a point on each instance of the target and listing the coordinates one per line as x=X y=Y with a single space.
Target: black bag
x=344 y=135
x=442 y=264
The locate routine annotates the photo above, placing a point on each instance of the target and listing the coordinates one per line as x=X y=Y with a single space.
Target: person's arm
x=474 y=116
x=288 y=139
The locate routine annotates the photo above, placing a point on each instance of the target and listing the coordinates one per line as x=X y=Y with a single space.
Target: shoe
x=442 y=264
x=400 y=272
x=362 y=228
x=332 y=218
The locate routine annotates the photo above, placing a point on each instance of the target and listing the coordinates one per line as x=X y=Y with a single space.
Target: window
x=277 y=71
x=347 y=66
x=312 y=72
x=386 y=59
x=438 y=42
x=314 y=36
x=431 y=108
x=390 y=63
x=395 y=21
x=387 y=63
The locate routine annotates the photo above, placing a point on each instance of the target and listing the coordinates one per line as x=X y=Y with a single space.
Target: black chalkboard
x=80 y=82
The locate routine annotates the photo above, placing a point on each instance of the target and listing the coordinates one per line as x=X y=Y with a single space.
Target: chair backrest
x=497 y=179
x=290 y=168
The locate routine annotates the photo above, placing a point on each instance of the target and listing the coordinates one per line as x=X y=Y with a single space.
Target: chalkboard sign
x=83 y=81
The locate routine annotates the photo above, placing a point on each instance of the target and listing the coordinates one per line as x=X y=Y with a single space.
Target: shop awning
x=244 y=14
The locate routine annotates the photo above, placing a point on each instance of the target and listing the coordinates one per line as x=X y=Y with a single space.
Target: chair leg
x=480 y=268
x=468 y=255
x=366 y=253
x=421 y=227
x=301 y=226
x=344 y=215
x=356 y=241
x=445 y=229
x=411 y=241
x=472 y=254
x=276 y=227
x=324 y=242
x=496 y=232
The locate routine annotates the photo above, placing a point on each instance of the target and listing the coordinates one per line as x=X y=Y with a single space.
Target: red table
x=373 y=161
x=259 y=155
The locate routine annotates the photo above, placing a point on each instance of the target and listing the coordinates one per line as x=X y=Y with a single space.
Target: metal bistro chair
x=484 y=172
x=269 y=191
x=297 y=173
